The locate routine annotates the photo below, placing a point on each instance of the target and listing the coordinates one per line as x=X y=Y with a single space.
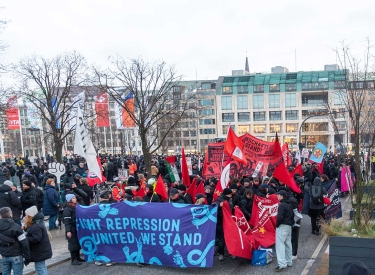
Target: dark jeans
x=220 y=238
x=316 y=215
x=295 y=234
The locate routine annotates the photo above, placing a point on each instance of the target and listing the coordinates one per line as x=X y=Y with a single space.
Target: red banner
x=127 y=120
x=101 y=109
x=261 y=157
x=285 y=152
x=12 y=114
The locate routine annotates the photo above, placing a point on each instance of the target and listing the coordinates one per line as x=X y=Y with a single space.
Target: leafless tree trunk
x=50 y=85
x=157 y=98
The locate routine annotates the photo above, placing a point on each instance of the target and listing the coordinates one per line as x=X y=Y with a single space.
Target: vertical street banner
x=128 y=112
x=101 y=110
x=118 y=115
x=12 y=114
x=165 y=234
x=78 y=100
x=332 y=211
x=170 y=162
x=33 y=116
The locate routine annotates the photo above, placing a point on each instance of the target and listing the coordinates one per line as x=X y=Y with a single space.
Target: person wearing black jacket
x=87 y=189
x=71 y=229
x=246 y=203
x=235 y=197
x=14 y=246
x=40 y=197
x=284 y=222
x=36 y=234
x=150 y=195
x=174 y=196
x=208 y=193
x=185 y=196
x=29 y=195
x=9 y=199
x=73 y=189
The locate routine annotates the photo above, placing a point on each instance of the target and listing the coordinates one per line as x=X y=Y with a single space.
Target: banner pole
x=19 y=117
x=105 y=140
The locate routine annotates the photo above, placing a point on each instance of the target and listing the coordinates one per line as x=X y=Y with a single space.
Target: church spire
x=247 y=64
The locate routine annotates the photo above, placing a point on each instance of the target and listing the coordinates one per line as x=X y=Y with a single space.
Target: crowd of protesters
x=40 y=196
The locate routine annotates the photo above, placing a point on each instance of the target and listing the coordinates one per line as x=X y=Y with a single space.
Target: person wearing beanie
x=185 y=196
x=226 y=196
x=37 y=236
x=316 y=210
x=263 y=190
x=235 y=197
x=50 y=203
x=256 y=185
x=8 y=198
x=69 y=215
x=208 y=193
x=29 y=195
x=246 y=203
x=150 y=195
x=174 y=196
x=284 y=222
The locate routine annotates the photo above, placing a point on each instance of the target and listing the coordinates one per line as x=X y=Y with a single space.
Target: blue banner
x=318 y=153
x=334 y=209
x=177 y=235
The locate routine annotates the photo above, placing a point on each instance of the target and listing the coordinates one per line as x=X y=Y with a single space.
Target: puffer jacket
x=36 y=234
x=9 y=199
x=50 y=203
x=20 y=246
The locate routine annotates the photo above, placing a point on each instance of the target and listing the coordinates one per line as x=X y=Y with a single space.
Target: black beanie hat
x=227 y=191
x=27 y=182
x=181 y=187
x=233 y=186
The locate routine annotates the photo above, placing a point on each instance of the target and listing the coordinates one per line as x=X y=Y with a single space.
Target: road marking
x=314 y=255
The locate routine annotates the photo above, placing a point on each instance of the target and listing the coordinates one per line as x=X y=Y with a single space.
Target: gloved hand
x=26 y=262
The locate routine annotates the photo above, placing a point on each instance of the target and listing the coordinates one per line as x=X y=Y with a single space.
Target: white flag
x=78 y=100
x=84 y=147
x=298 y=157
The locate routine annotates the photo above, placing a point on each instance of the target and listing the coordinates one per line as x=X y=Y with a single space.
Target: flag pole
x=110 y=130
x=2 y=147
x=19 y=117
x=105 y=140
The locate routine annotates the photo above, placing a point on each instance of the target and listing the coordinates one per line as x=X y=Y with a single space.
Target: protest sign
x=334 y=209
x=176 y=235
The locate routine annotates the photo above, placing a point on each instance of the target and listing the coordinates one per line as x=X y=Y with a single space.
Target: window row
x=262 y=128
x=258 y=101
x=259 y=116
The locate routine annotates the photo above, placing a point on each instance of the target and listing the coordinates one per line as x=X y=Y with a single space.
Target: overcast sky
x=209 y=36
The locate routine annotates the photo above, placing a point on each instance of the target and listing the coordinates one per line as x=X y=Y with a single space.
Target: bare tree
x=358 y=97
x=50 y=85
x=157 y=98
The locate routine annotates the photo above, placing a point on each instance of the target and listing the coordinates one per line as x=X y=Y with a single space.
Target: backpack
x=317 y=194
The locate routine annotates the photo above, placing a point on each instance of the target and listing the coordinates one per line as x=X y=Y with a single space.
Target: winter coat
x=3 y=172
x=285 y=214
x=69 y=215
x=246 y=206
x=36 y=234
x=151 y=198
x=50 y=202
x=20 y=246
x=9 y=199
x=29 y=198
x=40 y=199
x=177 y=200
x=87 y=189
x=221 y=199
x=320 y=205
x=187 y=198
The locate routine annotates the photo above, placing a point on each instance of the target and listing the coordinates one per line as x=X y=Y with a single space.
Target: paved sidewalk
x=59 y=249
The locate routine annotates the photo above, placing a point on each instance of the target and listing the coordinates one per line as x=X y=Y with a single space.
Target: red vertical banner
x=12 y=114
x=128 y=111
x=101 y=109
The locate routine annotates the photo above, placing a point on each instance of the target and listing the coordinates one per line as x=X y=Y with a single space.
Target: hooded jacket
x=313 y=205
x=20 y=247
x=29 y=198
x=50 y=203
x=9 y=199
x=36 y=234
x=285 y=213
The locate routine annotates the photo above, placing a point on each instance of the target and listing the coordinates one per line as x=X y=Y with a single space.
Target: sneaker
x=289 y=265
x=294 y=258
x=75 y=262
x=279 y=269
x=99 y=263
x=140 y=264
x=221 y=257
x=317 y=233
x=110 y=264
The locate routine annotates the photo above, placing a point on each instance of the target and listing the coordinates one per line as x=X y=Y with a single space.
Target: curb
x=49 y=266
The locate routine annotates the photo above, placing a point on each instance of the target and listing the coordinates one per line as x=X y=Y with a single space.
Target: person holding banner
x=71 y=229
x=316 y=211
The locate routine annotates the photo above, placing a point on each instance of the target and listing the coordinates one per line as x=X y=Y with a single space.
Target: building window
x=258 y=88
x=275 y=128
x=258 y=101
x=274 y=88
x=312 y=86
x=338 y=98
x=227 y=90
x=291 y=87
x=242 y=102
x=206 y=85
x=185 y=133
x=225 y=129
x=186 y=142
x=292 y=127
x=227 y=117
x=243 y=116
x=209 y=131
x=341 y=125
x=275 y=115
x=314 y=100
x=370 y=85
x=339 y=84
x=206 y=121
x=291 y=115
x=226 y=103
x=359 y=85
x=319 y=112
x=206 y=102
x=274 y=101
x=290 y=100
x=315 y=127
x=207 y=112
x=243 y=129
x=259 y=116
x=260 y=128
x=242 y=89
x=193 y=133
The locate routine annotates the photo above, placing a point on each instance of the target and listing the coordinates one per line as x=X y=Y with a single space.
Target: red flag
x=263 y=220
x=101 y=109
x=12 y=114
x=285 y=152
x=298 y=170
x=224 y=180
x=92 y=179
x=184 y=169
x=205 y=165
x=199 y=190
x=282 y=174
x=241 y=221
x=141 y=192
x=233 y=147
x=238 y=243
x=320 y=167
x=160 y=189
x=192 y=188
